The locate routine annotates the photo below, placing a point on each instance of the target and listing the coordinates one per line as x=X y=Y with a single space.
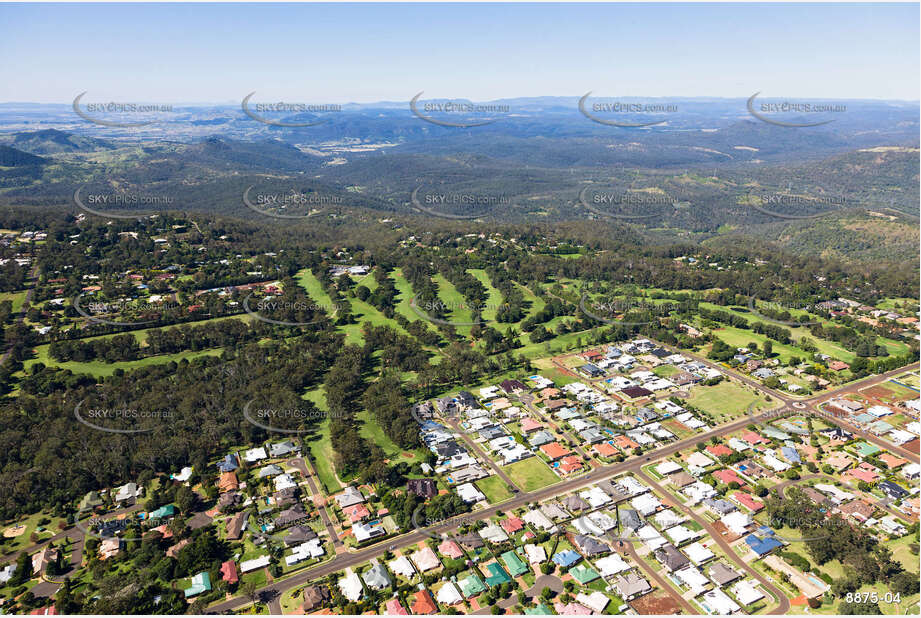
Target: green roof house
x=497 y=575
x=540 y=610
x=167 y=510
x=90 y=501
x=471 y=586
x=866 y=449
x=200 y=583
x=515 y=565
x=583 y=574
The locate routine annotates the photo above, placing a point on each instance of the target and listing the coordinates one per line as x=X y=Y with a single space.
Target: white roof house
x=680 y=534
x=719 y=602
x=310 y=549
x=489 y=392
x=900 y=436
x=256 y=563
x=879 y=411
x=402 y=566
x=611 y=565
x=697 y=458
x=537 y=519
x=646 y=504
x=690 y=421
x=911 y=471
x=586 y=526
x=284 y=481
x=667 y=467
x=667 y=518
x=746 y=593
x=469 y=493
x=651 y=537
x=184 y=475
x=255 y=454
x=602 y=520
x=737 y=522
x=535 y=553
x=596 y=601
x=633 y=486
x=595 y=497
x=738 y=445
x=128 y=491
x=693 y=579
x=838 y=495
x=493 y=533
x=448 y=594
x=367 y=530
x=697 y=553
x=425 y=559
x=698 y=491
x=774 y=463
x=351 y=585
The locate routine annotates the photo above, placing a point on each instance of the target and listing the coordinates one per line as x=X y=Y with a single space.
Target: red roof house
x=529 y=424
x=753 y=438
x=570 y=464
x=357 y=512
x=605 y=449
x=393 y=607
x=424 y=604
x=229 y=572
x=450 y=549
x=748 y=501
x=719 y=450
x=727 y=476
x=512 y=525
x=554 y=450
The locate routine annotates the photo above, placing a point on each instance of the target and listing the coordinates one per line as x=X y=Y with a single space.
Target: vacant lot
x=494 y=488
x=530 y=474
x=656 y=602
x=726 y=400
x=890 y=392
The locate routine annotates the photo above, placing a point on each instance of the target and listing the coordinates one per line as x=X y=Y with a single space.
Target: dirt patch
x=724 y=532
x=656 y=603
x=885 y=394
x=13 y=531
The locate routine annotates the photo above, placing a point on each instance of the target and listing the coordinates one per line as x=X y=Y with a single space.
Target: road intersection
x=634 y=465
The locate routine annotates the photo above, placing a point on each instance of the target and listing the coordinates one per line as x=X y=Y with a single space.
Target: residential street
x=357 y=557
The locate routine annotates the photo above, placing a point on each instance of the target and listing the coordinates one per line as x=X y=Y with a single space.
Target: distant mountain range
x=700 y=175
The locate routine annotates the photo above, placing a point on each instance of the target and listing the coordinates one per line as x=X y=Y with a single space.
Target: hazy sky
x=176 y=53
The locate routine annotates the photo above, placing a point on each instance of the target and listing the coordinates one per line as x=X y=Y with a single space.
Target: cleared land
x=530 y=474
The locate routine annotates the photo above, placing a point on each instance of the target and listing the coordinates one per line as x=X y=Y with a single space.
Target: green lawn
x=373 y=432
x=31 y=523
x=457 y=308
x=102 y=368
x=530 y=474
x=18 y=299
x=739 y=338
x=404 y=298
x=321 y=448
x=537 y=304
x=361 y=311
x=824 y=346
x=494 y=488
x=494 y=298
x=664 y=371
x=725 y=399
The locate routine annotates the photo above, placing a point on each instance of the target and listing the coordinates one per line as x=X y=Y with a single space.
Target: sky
x=322 y=53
